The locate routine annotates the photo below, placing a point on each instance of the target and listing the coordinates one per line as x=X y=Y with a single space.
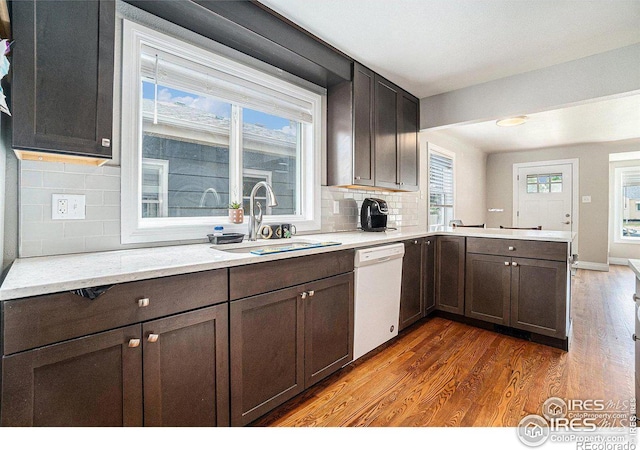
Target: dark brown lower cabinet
x=488 y=288
x=539 y=296
x=429 y=274
x=284 y=341
x=186 y=369
x=450 y=256
x=92 y=381
x=267 y=351
x=98 y=380
x=411 y=303
x=328 y=327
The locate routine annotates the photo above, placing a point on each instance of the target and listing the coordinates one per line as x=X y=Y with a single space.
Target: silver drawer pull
x=143 y=302
x=311 y=293
x=303 y=295
x=506 y=263
x=153 y=337
x=514 y=263
x=511 y=248
x=134 y=343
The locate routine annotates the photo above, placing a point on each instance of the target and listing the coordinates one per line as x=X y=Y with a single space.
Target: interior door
x=545 y=196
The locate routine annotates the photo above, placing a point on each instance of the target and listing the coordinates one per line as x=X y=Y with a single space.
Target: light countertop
x=635 y=266
x=48 y=274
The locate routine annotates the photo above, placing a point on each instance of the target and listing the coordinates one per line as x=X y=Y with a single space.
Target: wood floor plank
x=444 y=373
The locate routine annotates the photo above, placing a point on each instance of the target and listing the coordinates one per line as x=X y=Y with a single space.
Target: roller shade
x=222 y=83
x=440 y=180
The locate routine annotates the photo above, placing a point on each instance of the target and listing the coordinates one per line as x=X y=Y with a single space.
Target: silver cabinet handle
x=311 y=293
x=134 y=343
x=143 y=302
x=428 y=242
x=634 y=337
x=153 y=337
x=514 y=263
x=511 y=248
x=105 y=142
x=303 y=295
x=358 y=178
x=635 y=297
x=506 y=263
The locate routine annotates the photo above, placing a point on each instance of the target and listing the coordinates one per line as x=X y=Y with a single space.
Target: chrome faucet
x=256 y=221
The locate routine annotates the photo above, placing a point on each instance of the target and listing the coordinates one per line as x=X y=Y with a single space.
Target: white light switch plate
x=586 y=199
x=68 y=207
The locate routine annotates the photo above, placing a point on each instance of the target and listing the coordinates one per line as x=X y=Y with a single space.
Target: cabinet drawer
x=254 y=279
x=37 y=321
x=555 y=251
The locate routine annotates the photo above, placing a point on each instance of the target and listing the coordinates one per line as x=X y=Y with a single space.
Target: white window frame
x=619 y=206
x=452 y=156
x=134 y=229
x=163 y=187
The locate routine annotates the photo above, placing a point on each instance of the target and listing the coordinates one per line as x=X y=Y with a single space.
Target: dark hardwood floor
x=442 y=373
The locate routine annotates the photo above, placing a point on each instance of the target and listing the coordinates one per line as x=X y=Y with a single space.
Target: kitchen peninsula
x=89 y=316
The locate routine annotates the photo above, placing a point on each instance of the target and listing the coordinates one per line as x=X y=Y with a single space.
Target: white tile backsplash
x=100 y=231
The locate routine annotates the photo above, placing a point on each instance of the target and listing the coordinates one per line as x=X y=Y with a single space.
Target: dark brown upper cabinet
x=62 y=84
x=372 y=127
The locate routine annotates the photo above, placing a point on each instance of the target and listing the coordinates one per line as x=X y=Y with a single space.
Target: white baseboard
x=603 y=267
x=619 y=261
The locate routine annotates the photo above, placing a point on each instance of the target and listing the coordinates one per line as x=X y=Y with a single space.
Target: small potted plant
x=236 y=213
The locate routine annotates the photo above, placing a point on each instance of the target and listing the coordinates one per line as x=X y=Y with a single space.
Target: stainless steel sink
x=272 y=247
x=253 y=246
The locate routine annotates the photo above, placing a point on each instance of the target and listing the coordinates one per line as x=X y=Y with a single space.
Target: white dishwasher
x=378 y=276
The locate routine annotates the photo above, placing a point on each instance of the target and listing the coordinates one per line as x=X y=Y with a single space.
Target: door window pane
x=631 y=205
x=544 y=183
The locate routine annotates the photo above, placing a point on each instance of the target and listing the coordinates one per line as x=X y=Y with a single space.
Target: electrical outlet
x=68 y=207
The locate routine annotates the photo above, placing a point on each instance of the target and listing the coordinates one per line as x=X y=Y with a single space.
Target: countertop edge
x=205 y=259
x=635 y=266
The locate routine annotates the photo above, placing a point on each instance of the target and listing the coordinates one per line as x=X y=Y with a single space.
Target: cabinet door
x=363 y=101
x=328 y=327
x=539 y=296
x=450 y=274
x=408 y=149
x=386 y=134
x=93 y=381
x=429 y=274
x=62 y=93
x=267 y=352
x=411 y=306
x=186 y=369
x=488 y=288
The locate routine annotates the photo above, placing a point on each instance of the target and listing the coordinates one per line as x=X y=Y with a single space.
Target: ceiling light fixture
x=512 y=121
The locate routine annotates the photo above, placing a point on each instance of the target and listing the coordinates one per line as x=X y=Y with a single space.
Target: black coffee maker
x=373 y=214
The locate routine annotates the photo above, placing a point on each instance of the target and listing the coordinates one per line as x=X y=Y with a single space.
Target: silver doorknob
x=153 y=337
x=143 y=302
x=134 y=343
x=634 y=337
x=514 y=263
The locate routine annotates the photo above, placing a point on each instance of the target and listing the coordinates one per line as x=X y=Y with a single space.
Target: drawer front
x=37 y=321
x=254 y=279
x=554 y=251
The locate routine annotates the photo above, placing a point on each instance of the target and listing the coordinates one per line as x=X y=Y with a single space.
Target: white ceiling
x=434 y=46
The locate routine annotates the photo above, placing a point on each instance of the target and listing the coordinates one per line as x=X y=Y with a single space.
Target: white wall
x=470 y=177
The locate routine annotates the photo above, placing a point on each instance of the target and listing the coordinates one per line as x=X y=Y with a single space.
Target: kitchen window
x=199 y=130
x=441 y=188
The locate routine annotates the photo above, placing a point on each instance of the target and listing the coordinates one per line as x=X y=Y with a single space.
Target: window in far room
x=626 y=220
x=441 y=188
